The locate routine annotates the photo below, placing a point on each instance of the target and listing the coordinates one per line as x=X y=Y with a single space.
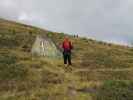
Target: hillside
x=100 y=71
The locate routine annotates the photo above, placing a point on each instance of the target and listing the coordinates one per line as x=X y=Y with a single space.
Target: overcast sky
x=110 y=20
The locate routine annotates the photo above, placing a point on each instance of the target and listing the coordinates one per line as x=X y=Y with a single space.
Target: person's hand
x=60 y=46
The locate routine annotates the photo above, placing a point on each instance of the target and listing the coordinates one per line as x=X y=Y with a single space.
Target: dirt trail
x=104 y=69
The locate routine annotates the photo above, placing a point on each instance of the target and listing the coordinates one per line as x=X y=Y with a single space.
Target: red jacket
x=67 y=45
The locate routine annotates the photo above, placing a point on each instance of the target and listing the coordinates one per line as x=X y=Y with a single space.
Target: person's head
x=66 y=38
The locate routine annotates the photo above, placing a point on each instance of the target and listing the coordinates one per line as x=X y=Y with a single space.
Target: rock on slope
x=44 y=46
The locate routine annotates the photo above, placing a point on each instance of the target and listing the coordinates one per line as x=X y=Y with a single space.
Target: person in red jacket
x=67 y=47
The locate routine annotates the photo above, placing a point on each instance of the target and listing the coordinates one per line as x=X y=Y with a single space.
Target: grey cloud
x=101 y=19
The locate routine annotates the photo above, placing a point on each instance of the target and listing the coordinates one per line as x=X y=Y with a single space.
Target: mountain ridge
x=95 y=68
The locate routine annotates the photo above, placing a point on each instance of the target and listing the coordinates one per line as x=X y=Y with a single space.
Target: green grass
x=115 y=90
x=10 y=69
x=27 y=77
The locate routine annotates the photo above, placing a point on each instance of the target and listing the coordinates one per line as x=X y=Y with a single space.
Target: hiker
x=77 y=35
x=67 y=47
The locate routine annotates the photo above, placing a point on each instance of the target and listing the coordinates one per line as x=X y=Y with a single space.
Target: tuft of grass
x=115 y=90
x=9 y=69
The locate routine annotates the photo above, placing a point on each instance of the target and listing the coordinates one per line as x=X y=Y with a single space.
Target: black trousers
x=67 y=57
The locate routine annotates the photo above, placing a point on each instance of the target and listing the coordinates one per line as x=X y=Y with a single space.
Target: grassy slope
x=100 y=71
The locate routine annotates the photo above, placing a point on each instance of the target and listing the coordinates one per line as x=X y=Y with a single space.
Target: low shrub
x=115 y=90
